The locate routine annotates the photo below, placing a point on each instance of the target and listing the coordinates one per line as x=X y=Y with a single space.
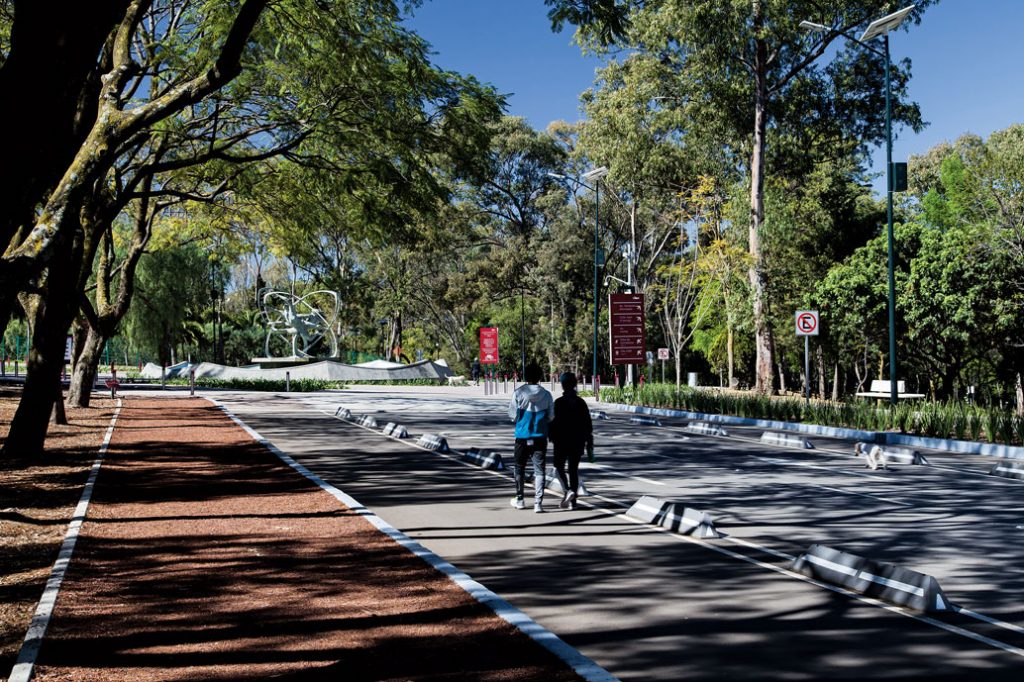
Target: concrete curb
x=880 y=438
x=24 y=667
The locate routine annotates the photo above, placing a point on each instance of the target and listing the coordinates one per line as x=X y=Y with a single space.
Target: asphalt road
x=651 y=605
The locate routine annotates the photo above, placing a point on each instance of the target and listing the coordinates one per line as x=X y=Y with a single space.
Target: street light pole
x=595 y=175
x=889 y=190
x=597 y=222
x=522 y=335
x=882 y=27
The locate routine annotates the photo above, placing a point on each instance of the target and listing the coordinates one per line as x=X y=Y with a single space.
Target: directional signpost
x=807 y=325
x=626 y=322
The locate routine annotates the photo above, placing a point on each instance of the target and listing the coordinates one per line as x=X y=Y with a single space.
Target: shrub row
x=955 y=420
x=298 y=385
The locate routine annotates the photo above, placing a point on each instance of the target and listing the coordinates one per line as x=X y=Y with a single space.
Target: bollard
x=192 y=382
x=597 y=389
x=287 y=382
x=163 y=376
x=553 y=382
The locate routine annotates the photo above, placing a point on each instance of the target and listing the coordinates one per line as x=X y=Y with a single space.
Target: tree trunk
x=819 y=356
x=782 y=379
x=835 y=382
x=59 y=415
x=1020 y=397
x=758 y=277
x=83 y=377
x=730 y=354
x=53 y=315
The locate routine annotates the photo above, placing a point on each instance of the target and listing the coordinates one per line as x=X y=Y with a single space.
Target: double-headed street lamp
x=881 y=27
x=594 y=176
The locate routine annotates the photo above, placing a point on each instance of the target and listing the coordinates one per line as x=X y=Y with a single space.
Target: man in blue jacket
x=532 y=409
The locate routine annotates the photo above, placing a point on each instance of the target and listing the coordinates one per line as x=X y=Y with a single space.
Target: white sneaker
x=566 y=500
x=538 y=508
x=572 y=500
x=518 y=503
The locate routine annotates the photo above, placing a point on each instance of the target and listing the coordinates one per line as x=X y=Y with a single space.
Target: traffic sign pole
x=807 y=369
x=807 y=325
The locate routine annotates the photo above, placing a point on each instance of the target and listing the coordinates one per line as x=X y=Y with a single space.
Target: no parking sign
x=807 y=323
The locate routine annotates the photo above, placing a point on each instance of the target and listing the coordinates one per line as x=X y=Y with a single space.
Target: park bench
x=883 y=389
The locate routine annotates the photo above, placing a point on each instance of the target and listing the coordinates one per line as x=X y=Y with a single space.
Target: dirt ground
x=205 y=557
x=37 y=499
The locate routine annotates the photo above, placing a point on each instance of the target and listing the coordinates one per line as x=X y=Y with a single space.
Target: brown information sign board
x=626 y=320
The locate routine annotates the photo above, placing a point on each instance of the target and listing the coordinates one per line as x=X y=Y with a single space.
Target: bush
x=934 y=420
x=298 y=385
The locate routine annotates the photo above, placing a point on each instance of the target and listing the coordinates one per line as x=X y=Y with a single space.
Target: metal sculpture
x=301 y=321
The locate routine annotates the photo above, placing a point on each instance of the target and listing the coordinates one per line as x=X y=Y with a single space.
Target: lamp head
x=596 y=174
x=813 y=27
x=887 y=23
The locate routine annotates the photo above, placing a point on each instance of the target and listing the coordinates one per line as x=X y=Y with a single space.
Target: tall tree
x=751 y=77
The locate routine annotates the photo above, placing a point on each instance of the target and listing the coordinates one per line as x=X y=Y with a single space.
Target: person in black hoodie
x=571 y=432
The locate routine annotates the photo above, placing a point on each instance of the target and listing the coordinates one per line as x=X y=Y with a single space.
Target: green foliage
x=930 y=419
x=171 y=288
x=297 y=385
x=276 y=385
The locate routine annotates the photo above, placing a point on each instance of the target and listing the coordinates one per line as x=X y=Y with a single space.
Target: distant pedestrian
x=532 y=409
x=572 y=432
x=476 y=370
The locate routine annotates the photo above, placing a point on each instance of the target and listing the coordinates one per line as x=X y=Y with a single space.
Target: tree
x=58 y=242
x=172 y=288
x=323 y=67
x=750 y=77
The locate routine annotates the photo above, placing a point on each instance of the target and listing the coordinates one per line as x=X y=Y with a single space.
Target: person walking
x=532 y=409
x=475 y=370
x=572 y=432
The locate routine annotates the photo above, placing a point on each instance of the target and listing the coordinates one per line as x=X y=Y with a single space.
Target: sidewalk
x=205 y=557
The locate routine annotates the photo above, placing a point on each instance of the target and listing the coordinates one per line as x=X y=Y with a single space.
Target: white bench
x=883 y=389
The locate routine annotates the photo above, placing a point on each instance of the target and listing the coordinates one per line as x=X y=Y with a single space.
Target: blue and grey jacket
x=532 y=409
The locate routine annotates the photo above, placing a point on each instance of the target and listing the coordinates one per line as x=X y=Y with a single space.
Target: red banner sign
x=488 y=345
x=626 y=320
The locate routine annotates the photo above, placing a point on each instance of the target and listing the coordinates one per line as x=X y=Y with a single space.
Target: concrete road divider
x=884 y=455
x=368 y=420
x=485 y=459
x=1009 y=468
x=887 y=582
x=674 y=516
x=432 y=441
x=395 y=430
x=786 y=440
x=903 y=455
x=551 y=482
x=706 y=428
x=649 y=421
x=343 y=412
x=598 y=414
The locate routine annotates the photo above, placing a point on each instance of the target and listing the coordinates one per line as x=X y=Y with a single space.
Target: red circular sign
x=806 y=323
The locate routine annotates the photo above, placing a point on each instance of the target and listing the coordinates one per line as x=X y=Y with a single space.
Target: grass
x=930 y=419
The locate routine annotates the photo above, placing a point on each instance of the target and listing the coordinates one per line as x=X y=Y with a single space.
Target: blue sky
x=968 y=60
